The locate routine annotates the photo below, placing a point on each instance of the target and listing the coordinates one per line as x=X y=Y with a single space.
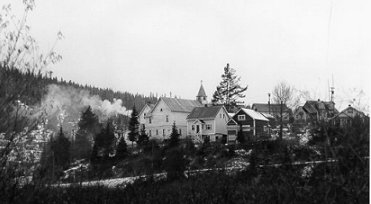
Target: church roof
x=201 y=92
x=181 y=105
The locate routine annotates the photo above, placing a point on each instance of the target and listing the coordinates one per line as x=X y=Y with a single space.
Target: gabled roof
x=179 y=105
x=254 y=115
x=317 y=106
x=199 y=121
x=264 y=107
x=151 y=106
x=232 y=122
x=346 y=114
x=201 y=92
x=204 y=112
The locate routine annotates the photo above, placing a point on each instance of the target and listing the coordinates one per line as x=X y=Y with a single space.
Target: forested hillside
x=34 y=87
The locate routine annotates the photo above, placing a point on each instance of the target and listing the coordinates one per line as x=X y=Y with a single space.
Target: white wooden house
x=207 y=122
x=167 y=111
x=144 y=113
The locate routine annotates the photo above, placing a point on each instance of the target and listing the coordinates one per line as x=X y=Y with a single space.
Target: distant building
x=345 y=117
x=274 y=110
x=300 y=116
x=207 y=122
x=319 y=110
x=252 y=123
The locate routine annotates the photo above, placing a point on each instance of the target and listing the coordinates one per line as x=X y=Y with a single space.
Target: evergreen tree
x=143 y=138
x=88 y=127
x=229 y=90
x=103 y=143
x=174 y=137
x=61 y=149
x=121 y=150
x=133 y=127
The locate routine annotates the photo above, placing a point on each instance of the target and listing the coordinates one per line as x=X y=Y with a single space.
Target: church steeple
x=201 y=96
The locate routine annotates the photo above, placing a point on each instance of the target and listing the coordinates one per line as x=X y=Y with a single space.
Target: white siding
x=159 y=121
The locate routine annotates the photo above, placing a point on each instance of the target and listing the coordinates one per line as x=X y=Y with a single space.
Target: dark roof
x=204 y=112
x=201 y=92
x=315 y=106
x=264 y=107
x=181 y=105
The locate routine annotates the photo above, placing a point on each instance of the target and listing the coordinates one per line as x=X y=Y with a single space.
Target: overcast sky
x=162 y=46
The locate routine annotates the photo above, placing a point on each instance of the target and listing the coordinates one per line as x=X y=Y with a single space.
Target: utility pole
x=269 y=112
x=281 y=128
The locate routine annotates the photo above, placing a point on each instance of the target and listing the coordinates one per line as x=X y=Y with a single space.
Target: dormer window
x=241 y=117
x=350 y=111
x=144 y=115
x=161 y=110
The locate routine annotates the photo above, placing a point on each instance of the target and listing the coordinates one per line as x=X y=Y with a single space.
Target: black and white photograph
x=185 y=101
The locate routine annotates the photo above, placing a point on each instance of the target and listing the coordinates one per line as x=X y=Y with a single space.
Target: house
x=345 y=117
x=166 y=111
x=319 y=110
x=207 y=122
x=144 y=113
x=300 y=115
x=252 y=124
x=274 y=110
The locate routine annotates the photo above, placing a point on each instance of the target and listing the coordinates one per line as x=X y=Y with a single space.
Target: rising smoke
x=64 y=105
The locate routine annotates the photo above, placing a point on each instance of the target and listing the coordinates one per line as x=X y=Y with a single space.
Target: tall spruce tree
x=103 y=144
x=133 y=127
x=174 y=137
x=143 y=138
x=121 y=150
x=88 y=128
x=61 y=149
x=229 y=89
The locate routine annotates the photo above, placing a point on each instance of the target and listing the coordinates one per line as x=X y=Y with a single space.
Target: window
x=208 y=127
x=180 y=131
x=350 y=111
x=163 y=132
x=223 y=115
x=156 y=132
x=203 y=126
x=241 y=117
x=150 y=120
x=150 y=133
x=220 y=115
x=193 y=127
x=167 y=118
x=161 y=110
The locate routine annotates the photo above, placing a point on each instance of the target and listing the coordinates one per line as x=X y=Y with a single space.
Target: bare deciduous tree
x=282 y=92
